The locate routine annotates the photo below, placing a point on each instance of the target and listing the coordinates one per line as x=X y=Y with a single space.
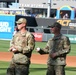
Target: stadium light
x=49 y=8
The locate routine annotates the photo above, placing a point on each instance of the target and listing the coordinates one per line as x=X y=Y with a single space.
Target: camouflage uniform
x=21 y=59
x=60 y=45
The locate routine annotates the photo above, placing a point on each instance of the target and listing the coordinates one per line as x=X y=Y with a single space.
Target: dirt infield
x=38 y=59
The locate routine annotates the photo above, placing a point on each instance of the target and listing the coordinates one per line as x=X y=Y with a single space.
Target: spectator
x=66 y=16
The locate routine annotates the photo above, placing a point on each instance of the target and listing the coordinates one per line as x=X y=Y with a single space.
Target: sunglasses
x=52 y=27
x=19 y=23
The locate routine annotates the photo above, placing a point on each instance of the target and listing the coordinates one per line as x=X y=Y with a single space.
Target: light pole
x=49 y=8
x=15 y=1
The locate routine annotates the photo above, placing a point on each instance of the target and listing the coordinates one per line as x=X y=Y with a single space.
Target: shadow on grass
x=41 y=69
x=37 y=69
x=2 y=74
x=70 y=68
x=3 y=70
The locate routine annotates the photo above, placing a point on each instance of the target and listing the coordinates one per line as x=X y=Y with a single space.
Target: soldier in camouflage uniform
x=57 y=48
x=21 y=45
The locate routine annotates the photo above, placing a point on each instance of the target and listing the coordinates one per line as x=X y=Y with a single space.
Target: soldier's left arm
x=66 y=47
x=30 y=44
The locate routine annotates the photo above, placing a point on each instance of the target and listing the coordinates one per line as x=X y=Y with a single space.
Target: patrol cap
x=21 y=20
x=56 y=24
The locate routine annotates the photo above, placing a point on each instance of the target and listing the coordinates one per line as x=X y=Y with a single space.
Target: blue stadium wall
x=7 y=24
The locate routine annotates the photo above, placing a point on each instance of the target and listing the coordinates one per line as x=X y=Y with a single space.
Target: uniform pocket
x=20 y=59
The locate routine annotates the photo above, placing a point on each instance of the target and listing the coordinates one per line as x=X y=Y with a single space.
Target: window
x=64 y=12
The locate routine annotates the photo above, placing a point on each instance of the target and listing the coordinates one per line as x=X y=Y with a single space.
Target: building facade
x=39 y=8
x=6 y=3
x=45 y=8
x=44 y=3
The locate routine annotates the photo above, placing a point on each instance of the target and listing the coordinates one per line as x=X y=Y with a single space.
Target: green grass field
x=4 y=46
x=35 y=69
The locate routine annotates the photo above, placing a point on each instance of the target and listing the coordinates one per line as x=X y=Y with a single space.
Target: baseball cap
x=56 y=24
x=21 y=20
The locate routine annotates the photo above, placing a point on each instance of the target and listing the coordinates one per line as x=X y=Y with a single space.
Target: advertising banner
x=6 y=26
x=38 y=36
x=72 y=38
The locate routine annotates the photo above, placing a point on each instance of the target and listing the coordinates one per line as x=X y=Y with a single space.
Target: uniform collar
x=57 y=37
x=23 y=34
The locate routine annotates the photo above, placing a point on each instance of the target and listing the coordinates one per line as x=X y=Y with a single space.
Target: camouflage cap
x=56 y=24
x=21 y=20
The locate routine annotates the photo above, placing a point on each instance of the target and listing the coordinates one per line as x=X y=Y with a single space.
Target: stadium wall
x=38 y=26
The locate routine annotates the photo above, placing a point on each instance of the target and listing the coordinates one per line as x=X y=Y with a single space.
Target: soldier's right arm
x=11 y=45
x=12 y=42
x=45 y=50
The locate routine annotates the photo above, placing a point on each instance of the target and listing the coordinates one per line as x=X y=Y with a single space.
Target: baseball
x=13 y=49
x=38 y=49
